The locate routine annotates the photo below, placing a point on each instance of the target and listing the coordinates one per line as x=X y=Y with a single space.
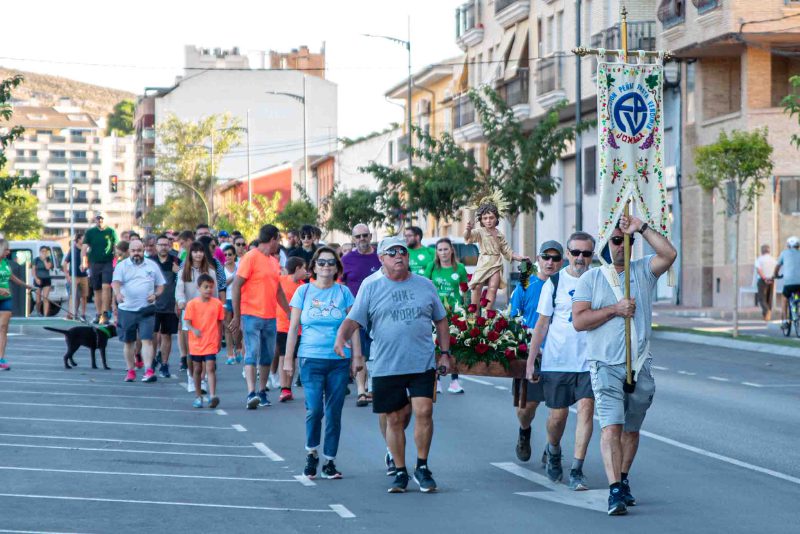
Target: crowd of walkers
x=298 y=312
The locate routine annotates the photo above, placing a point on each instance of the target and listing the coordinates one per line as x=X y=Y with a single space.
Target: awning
x=520 y=42
x=461 y=76
x=495 y=66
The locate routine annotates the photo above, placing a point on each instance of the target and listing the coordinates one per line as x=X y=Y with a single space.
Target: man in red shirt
x=256 y=294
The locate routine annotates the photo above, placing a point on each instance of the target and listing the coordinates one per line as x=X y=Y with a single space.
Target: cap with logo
x=391 y=242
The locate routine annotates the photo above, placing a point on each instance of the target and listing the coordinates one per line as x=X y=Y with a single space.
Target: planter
x=516 y=369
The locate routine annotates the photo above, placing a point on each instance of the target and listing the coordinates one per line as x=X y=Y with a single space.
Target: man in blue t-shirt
x=524 y=302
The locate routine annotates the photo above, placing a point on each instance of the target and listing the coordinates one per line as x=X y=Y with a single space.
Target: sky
x=99 y=42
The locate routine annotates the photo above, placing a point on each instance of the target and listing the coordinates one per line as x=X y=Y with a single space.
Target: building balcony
x=515 y=93
x=465 y=127
x=148 y=135
x=704 y=6
x=509 y=12
x=402 y=148
x=641 y=36
x=26 y=159
x=58 y=139
x=549 y=82
x=671 y=13
x=469 y=30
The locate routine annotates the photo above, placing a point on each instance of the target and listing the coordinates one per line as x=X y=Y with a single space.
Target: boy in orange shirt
x=296 y=267
x=203 y=317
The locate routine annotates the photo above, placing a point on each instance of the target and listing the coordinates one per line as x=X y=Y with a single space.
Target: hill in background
x=96 y=100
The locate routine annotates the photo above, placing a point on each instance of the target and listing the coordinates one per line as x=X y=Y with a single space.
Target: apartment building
x=735 y=61
x=63 y=138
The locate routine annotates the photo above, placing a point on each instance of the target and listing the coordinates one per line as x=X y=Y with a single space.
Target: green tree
x=736 y=167
x=520 y=162
x=295 y=214
x=241 y=216
x=121 y=119
x=7 y=136
x=349 y=208
x=185 y=160
x=19 y=218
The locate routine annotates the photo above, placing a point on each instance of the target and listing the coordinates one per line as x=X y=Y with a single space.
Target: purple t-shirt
x=357 y=267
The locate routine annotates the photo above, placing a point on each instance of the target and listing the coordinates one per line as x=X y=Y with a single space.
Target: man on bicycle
x=789 y=266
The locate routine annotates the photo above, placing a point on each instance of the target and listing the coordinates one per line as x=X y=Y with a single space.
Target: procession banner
x=631 y=141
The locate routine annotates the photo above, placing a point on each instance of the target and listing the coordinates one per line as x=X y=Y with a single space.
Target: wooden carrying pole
x=623 y=31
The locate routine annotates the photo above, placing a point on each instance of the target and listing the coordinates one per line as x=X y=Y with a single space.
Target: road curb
x=767 y=348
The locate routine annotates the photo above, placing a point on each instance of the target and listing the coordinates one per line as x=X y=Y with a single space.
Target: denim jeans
x=324 y=385
x=259 y=340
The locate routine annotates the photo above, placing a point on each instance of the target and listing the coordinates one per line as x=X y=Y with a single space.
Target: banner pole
x=623 y=30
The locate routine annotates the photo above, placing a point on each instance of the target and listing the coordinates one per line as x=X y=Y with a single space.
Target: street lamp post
x=407 y=45
x=302 y=100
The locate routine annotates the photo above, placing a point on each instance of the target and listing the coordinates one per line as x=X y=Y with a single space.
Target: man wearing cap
x=524 y=302
x=98 y=256
x=565 y=368
x=398 y=309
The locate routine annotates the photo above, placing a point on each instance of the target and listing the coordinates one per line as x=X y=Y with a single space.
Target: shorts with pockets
x=391 y=393
x=615 y=407
x=133 y=322
x=259 y=336
x=205 y=358
x=102 y=273
x=563 y=389
x=534 y=393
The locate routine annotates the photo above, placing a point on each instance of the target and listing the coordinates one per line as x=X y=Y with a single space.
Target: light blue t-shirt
x=322 y=312
x=789 y=260
x=525 y=301
x=400 y=318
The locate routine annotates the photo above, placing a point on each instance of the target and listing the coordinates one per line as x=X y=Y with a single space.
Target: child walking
x=203 y=319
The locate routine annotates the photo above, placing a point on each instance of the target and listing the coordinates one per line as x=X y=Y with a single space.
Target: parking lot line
x=269 y=453
x=101 y=395
x=113 y=440
x=124 y=423
x=154 y=475
x=35 y=531
x=130 y=451
x=125 y=408
x=168 y=503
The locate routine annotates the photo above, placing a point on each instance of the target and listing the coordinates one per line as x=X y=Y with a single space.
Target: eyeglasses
x=305 y=236
x=395 y=251
x=361 y=236
x=326 y=263
x=230 y=254
x=584 y=253
x=548 y=257
x=617 y=240
x=162 y=244
x=240 y=244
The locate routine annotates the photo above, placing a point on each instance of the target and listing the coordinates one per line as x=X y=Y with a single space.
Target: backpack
x=554 y=280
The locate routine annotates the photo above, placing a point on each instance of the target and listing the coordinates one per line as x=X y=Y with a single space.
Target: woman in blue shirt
x=319 y=308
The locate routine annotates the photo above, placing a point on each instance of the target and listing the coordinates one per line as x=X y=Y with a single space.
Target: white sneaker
x=203 y=385
x=189 y=383
x=274 y=381
x=438 y=386
x=455 y=387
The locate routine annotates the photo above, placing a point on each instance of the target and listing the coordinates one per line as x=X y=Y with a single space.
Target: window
x=691 y=72
x=559 y=31
x=448 y=120
x=731 y=197
x=722 y=86
x=58 y=154
x=551 y=34
x=58 y=174
x=20 y=153
x=78 y=153
x=790 y=195
x=590 y=170
x=546 y=200
x=391 y=152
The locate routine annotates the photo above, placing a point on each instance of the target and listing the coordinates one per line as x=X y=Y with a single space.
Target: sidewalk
x=717 y=320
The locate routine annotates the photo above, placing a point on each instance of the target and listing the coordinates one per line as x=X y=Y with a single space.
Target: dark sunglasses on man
x=392 y=252
x=547 y=257
x=584 y=253
x=305 y=236
x=617 y=240
x=240 y=244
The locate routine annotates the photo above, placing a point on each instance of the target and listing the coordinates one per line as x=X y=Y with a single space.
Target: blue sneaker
x=230 y=361
x=553 y=467
x=198 y=402
x=164 y=371
x=252 y=400
x=4 y=365
x=629 y=499
x=239 y=358
x=263 y=400
x=616 y=503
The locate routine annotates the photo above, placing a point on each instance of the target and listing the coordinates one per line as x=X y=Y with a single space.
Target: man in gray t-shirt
x=399 y=309
x=597 y=310
x=789 y=267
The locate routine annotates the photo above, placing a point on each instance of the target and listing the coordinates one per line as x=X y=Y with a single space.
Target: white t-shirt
x=565 y=349
x=767 y=264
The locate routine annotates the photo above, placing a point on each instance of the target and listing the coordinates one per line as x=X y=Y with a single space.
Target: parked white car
x=24 y=252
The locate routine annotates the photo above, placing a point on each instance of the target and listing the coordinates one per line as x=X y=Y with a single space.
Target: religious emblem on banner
x=631 y=139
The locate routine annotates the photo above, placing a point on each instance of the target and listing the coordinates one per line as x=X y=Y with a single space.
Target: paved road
x=81 y=451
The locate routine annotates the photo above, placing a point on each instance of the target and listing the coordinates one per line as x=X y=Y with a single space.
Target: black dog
x=91 y=337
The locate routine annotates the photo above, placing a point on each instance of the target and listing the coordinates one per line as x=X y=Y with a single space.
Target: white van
x=24 y=252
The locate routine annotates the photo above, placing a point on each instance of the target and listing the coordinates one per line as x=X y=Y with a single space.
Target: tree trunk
x=736 y=278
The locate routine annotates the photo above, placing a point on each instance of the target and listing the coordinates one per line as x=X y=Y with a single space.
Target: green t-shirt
x=5 y=278
x=447 y=280
x=101 y=244
x=420 y=258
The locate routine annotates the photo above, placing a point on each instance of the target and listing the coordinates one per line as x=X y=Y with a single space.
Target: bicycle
x=794 y=316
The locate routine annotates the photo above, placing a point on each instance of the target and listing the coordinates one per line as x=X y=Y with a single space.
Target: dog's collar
x=104 y=330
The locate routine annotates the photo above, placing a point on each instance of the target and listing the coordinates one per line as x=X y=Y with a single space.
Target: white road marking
x=686 y=373
x=113 y=440
x=661 y=368
x=343 y=512
x=92 y=407
x=34 y=531
x=501 y=388
x=63 y=394
x=132 y=451
x=596 y=500
x=42 y=381
x=722 y=458
x=83 y=381
x=304 y=480
x=719 y=379
x=476 y=380
x=239 y=428
x=269 y=453
x=166 y=503
x=155 y=475
x=127 y=423
x=752 y=385
x=221 y=412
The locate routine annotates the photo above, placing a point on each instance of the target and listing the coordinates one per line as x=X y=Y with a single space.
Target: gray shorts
x=563 y=389
x=141 y=321
x=613 y=405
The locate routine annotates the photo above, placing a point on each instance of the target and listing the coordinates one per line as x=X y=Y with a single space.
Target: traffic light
x=113 y=183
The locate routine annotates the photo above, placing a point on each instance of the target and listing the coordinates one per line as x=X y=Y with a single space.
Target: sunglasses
x=326 y=263
x=584 y=253
x=547 y=257
x=305 y=236
x=230 y=254
x=395 y=251
x=241 y=244
x=617 y=240
x=361 y=236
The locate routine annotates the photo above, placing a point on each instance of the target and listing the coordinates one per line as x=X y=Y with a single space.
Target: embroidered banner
x=631 y=141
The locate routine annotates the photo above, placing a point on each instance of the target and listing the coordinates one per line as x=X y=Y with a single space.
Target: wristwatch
x=644 y=228
x=444 y=352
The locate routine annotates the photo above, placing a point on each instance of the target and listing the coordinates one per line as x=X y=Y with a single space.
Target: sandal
x=362 y=400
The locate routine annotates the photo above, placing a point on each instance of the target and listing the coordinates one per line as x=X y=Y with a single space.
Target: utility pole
x=249 y=180
x=408 y=97
x=578 y=137
x=72 y=261
x=305 y=139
